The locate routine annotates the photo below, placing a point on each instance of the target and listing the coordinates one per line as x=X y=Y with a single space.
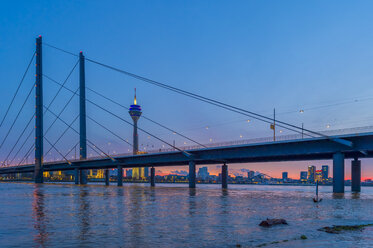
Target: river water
x=171 y=215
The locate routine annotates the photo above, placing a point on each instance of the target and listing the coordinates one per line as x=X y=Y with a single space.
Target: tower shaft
x=38 y=171
x=135 y=138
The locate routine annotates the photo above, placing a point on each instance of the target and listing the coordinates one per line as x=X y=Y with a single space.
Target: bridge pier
x=192 y=174
x=152 y=176
x=107 y=178
x=224 y=176
x=120 y=175
x=356 y=175
x=338 y=173
x=83 y=177
x=76 y=177
x=80 y=176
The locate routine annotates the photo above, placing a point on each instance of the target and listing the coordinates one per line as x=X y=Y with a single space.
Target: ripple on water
x=171 y=215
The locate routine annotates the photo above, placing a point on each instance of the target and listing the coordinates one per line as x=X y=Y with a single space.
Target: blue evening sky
x=258 y=55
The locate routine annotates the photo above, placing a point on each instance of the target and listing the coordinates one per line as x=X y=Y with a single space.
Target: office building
x=284 y=176
x=303 y=176
x=325 y=172
x=203 y=173
x=311 y=173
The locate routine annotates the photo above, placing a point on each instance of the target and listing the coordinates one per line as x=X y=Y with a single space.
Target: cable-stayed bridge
x=303 y=144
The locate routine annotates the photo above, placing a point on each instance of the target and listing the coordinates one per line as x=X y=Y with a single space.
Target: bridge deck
x=289 y=150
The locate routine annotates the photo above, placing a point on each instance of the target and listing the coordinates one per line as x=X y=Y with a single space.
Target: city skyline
x=186 y=123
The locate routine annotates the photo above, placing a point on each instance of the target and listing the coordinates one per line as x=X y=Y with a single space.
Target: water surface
x=171 y=215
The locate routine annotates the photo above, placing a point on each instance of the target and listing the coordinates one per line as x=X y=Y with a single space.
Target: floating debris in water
x=338 y=229
x=271 y=222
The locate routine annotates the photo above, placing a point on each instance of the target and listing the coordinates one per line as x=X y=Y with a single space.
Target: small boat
x=317 y=199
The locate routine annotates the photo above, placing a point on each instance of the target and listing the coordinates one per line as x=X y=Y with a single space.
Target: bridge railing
x=356 y=130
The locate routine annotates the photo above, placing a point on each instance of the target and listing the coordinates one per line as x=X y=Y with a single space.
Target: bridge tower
x=38 y=170
x=81 y=175
x=135 y=113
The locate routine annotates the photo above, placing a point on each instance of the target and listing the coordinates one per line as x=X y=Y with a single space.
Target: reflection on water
x=39 y=216
x=84 y=213
x=172 y=215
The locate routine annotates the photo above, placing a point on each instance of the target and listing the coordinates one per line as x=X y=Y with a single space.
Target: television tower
x=135 y=113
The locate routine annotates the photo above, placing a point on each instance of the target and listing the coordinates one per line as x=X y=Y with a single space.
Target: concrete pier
x=107 y=178
x=224 y=176
x=120 y=175
x=152 y=176
x=83 y=177
x=192 y=174
x=356 y=175
x=76 y=175
x=338 y=173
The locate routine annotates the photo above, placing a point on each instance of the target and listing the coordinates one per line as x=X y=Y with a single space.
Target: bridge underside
x=296 y=150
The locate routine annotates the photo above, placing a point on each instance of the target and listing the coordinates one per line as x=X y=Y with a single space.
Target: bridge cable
x=19 y=86
x=205 y=99
x=109 y=131
x=59 y=118
x=57 y=151
x=51 y=102
x=74 y=147
x=23 y=144
x=19 y=112
x=27 y=154
x=19 y=137
x=59 y=90
x=108 y=111
x=147 y=118
x=63 y=133
x=59 y=49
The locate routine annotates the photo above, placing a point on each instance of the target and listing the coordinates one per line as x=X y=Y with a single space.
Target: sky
x=258 y=55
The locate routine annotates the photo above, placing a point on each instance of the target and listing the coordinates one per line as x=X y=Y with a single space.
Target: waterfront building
x=113 y=172
x=203 y=173
x=303 y=176
x=250 y=174
x=284 y=176
x=129 y=173
x=135 y=113
x=318 y=176
x=96 y=174
x=325 y=172
x=311 y=173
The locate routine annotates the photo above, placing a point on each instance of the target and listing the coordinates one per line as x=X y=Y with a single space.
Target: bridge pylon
x=82 y=174
x=38 y=170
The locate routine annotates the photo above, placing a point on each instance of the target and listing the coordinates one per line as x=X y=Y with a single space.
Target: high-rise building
x=129 y=173
x=303 y=176
x=325 y=172
x=203 y=173
x=135 y=113
x=318 y=176
x=311 y=173
x=284 y=176
x=250 y=174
